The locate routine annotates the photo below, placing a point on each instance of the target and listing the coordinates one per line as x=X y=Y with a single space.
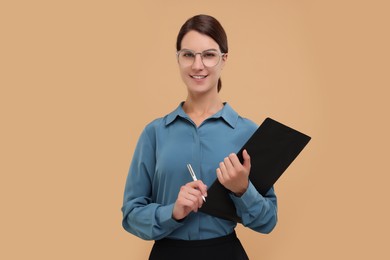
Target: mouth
x=198 y=76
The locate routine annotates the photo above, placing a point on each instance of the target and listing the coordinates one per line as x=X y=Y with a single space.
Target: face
x=197 y=77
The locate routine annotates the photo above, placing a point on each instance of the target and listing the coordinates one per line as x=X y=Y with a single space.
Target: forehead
x=196 y=41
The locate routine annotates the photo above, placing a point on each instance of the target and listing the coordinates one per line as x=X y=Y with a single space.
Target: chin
x=202 y=90
x=204 y=87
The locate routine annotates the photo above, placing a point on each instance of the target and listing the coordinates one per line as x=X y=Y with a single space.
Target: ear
x=224 y=59
x=225 y=56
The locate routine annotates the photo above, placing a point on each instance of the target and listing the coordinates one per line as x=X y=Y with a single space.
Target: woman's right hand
x=189 y=199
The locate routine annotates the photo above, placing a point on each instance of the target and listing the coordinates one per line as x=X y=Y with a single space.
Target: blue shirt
x=158 y=170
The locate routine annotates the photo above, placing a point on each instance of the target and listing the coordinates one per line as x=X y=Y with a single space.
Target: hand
x=189 y=199
x=234 y=175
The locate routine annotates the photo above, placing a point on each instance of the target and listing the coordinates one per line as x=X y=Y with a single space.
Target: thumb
x=247 y=159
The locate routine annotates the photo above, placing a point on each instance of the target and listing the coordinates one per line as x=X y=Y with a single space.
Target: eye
x=209 y=54
x=187 y=54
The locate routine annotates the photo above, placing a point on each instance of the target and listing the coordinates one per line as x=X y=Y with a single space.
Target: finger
x=222 y=168
x=228 y=165
x=194 y=189
x=198 y=196
x=199 y=185
x=247 y=159
x=190 y=201
x=187 y=193
x=202 y=188
x=234 y=160
x=220 y=176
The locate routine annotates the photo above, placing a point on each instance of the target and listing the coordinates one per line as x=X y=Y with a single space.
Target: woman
x=161 y=200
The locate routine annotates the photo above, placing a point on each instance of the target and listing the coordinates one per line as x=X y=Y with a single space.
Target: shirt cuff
x=165 y=217
x=248 y=199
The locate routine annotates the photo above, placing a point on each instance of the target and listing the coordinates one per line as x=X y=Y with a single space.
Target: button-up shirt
x=158 y=170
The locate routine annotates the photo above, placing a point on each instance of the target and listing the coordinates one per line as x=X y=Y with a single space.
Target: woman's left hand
x=234 y=175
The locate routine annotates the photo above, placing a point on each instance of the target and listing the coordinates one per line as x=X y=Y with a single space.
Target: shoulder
x=246 y=122
x=246 y=126
x=160 y=124
x=155 y=123
x=242 y=122
x=150 y=132
x=154 y=126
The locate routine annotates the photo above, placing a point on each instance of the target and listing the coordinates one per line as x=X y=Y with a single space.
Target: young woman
x=161 y=200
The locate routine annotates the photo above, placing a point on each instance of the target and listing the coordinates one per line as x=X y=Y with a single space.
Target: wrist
x=242 y=191
x=238 y=194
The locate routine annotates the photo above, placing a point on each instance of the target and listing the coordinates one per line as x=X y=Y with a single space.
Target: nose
x=198 y=63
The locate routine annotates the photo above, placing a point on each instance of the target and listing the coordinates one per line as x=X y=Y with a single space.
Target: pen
x=194 y=177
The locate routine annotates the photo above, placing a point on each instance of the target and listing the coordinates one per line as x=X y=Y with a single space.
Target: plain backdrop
x=80 y=80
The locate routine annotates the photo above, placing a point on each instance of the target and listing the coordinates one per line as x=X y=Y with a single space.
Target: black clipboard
x=272 y=148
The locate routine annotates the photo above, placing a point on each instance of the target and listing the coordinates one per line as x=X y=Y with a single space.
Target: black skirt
x=227 y=248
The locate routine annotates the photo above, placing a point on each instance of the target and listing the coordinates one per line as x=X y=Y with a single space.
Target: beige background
x=80 y=79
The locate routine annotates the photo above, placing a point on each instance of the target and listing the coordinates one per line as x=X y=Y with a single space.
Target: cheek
x=182 y=71
x=216 y=72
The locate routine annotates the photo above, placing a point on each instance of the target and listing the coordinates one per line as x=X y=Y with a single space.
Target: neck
x=202 y=106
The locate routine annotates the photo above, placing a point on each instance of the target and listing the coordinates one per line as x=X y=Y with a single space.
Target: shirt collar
x=226 y=113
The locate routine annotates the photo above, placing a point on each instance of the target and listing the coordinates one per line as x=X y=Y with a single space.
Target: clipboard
x=272 y=148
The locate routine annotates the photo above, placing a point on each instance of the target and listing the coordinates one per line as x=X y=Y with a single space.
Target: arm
x=141 y=215
x=144 y=215
x=256 y=211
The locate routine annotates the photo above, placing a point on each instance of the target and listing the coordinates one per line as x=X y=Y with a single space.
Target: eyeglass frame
x=221 y=54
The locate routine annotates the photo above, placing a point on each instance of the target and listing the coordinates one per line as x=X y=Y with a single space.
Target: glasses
x=210 y=58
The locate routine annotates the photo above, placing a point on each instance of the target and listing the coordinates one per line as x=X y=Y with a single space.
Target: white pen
x=194 y=177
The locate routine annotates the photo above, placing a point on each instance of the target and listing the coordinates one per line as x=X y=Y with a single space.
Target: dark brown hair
x=206 y=25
